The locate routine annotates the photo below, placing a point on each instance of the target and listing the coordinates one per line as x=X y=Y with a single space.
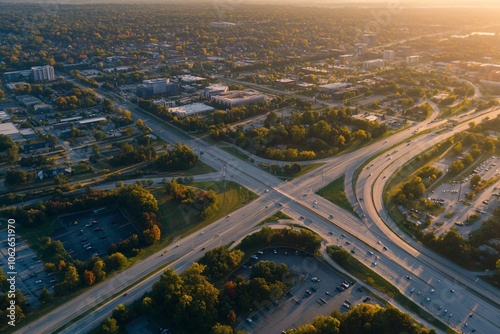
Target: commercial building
x=346 y=59
x=360 y=48
x=222 y=24
x=370 y=39
x=92 y=120
x=215 y=89
x=388 y=54
x=152 y=87
x=16 y=76
x=375 y=63
x=164 y=102
x=285 y=83
x=36 y=73
x=412 y=59
x=191 y=109
x=9 y=129
x=28 y=134
x=42 y=108
x=313 y=70
x=238 y=98
x=333 y=87
x=43 y=73
x=405 y=51
x=190 y=79
x=28 y=100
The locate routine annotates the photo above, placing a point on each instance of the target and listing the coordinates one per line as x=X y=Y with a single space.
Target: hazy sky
x=382 y=3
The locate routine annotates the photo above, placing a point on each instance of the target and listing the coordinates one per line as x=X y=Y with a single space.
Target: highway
x=397 y=262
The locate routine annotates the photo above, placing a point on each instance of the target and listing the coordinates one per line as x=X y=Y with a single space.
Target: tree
x=221 y=329
x=121 y=313
x=326 y=325
x=16 y=177
x=45 y=296
x=109 y=326
x=456 y=167
x=88 y=278
x=220 y=261
x=99 y=135
x=152 y=235
x=167 y=291
x=71 y=278
x=13 y=153
x=116 y=261
x=475 y=181
x=98 y=270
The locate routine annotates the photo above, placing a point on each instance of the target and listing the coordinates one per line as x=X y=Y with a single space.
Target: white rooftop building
x=191 y=109
x=238 y=98
x=333 y=87
x=214 y=90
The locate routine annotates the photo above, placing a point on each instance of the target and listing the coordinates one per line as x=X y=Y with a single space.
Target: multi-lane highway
x=398 y=261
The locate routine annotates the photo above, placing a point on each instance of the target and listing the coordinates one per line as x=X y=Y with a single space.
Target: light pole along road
x=288 y=196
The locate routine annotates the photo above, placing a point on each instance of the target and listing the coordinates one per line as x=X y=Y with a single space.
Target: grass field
x=180 y=220
x=334 y=192
x=274 y=218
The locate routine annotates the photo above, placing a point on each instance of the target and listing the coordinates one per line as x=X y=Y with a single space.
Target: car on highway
x=370 y=252
x=385 y=248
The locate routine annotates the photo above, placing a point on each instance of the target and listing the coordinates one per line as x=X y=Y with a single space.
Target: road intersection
x=402 y=257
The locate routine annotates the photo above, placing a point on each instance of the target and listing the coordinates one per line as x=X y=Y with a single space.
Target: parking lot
x=89 y=233
x=452 y=196
x=315 y=294
x=31 y=277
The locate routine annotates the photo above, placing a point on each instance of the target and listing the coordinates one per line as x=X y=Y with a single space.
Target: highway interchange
x=403 y=257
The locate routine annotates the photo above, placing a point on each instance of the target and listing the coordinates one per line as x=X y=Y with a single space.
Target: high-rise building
x=360 y=48
x=152 y=87
x=388 y=54
x=43 y=73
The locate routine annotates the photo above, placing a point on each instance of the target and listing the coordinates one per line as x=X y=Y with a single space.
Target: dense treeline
x=205 y=202
x=302 y=239
x=306 y=135
x=466 y=251
x=190 y=303
x=130 y=154
x=364 y=319
x=9 y=151
x=180 y=157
